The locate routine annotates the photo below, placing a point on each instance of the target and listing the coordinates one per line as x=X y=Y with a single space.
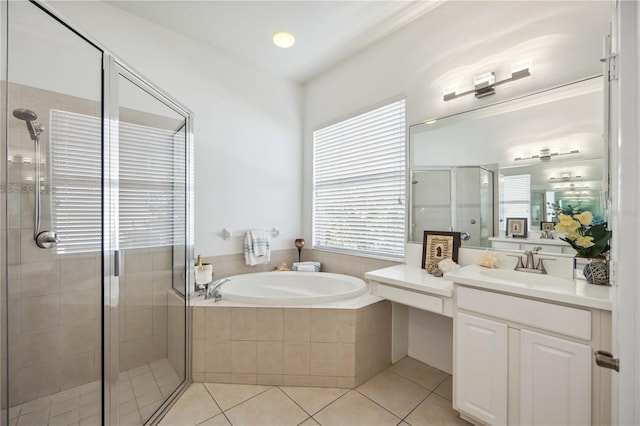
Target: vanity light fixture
x=545 y=154
x=284 y=39
x=431 y=121
x=565 y=177
x=484 y=84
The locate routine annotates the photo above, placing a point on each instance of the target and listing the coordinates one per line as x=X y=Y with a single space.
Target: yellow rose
x=585 y=242
x=572 y=236
x=567 y=224
x=584 y=218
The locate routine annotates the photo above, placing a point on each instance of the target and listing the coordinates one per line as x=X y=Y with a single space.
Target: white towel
x=257 y=247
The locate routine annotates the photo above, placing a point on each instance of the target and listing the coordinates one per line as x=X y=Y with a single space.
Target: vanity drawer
x=410 y=298
x=545 y=316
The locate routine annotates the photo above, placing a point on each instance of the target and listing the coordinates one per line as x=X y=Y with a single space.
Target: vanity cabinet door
x=555 y=381
x=481 y=368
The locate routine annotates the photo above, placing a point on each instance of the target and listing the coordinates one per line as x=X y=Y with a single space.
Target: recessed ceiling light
x=283 y=39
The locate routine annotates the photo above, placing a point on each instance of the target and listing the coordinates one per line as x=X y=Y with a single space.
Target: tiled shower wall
x=53 y=300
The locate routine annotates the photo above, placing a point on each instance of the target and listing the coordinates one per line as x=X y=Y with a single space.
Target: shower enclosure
x=453 y=198
x=96 y=231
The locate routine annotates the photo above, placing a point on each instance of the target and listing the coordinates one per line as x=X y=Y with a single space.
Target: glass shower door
x=52 y=295
x=149 y=163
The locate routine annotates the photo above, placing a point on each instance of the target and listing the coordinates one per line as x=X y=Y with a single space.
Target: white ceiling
x=326 y=32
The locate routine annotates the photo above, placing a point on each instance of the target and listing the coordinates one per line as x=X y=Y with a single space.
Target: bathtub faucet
x=212 y=290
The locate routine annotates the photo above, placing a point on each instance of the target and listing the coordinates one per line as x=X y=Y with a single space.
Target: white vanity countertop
x=576 y=292
x=543 y=241
x=412 y=277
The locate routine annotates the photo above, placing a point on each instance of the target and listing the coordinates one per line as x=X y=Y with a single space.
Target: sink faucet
x=528 y=265
x=212 y=290
x=546 y=235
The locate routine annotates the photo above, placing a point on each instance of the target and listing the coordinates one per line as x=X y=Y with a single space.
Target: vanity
x=522 y=343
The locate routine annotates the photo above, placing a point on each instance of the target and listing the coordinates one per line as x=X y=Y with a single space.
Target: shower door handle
x=116 y=263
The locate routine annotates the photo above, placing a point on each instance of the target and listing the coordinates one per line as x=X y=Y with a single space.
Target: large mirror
x=523 y=158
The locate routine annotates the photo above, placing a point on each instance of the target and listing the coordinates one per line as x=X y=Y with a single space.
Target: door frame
x=625 y=181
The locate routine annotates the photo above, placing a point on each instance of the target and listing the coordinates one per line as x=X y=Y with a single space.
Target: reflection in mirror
x=545 y=150
x=459 y=198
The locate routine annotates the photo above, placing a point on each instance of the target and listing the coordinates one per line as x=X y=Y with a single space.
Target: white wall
x=247 y=124
x=448 y=47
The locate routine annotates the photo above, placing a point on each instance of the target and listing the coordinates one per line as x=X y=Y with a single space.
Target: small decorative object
x=448 y=265
x=589 y=237
x=299 y=244
x=282 y=267
x=488 y=260
x=517 y=227
x=431 y=268
x=437 y=246
x=547 y=226
x=306 y=266
x=437 y=272
x=596 y=271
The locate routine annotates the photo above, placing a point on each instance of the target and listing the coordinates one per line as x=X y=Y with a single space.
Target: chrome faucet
x=546 y=235
x=212 y=290
x=528 y=265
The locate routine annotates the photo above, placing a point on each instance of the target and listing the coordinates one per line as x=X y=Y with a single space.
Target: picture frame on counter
x=547 y=226
x=517 y=227
x=439 y=245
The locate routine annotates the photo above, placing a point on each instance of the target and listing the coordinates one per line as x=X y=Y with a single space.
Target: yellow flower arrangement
x=590 y=238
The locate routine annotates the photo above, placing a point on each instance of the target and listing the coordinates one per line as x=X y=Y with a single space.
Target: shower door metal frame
x=113 y=69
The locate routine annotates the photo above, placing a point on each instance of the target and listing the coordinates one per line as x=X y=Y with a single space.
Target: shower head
x=25 y=114
x=29 y=117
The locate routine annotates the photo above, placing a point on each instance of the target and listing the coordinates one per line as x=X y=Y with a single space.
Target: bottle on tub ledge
x=204 y=275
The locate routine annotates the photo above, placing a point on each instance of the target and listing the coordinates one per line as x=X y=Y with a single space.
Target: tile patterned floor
x=408 y=393
x=142 y=389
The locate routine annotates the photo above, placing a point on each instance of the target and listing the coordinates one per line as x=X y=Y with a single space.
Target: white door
x=555 y=381
x=481 y=368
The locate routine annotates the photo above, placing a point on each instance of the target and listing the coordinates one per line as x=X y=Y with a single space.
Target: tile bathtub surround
x=389 y=398
x=291 y=346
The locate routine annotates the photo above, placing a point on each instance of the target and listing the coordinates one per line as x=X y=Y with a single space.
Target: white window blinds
x=359 y=183
x=152 y=187
x=517 y=191
x=76 y=181
x=151 y=184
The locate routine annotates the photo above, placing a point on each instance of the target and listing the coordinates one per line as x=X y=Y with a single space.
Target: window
x=151 y=187
x=359 y=183
x=517 y=190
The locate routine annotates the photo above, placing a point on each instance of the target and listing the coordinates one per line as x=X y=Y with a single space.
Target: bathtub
x=291 y=288
x=291 y=328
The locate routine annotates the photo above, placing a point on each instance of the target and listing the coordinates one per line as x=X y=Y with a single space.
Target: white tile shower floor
x=406 y=393
x=141 y=391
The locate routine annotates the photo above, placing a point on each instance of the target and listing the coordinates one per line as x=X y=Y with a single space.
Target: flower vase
x=596 y=271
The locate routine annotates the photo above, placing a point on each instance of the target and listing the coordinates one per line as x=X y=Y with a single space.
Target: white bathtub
x=291 y=288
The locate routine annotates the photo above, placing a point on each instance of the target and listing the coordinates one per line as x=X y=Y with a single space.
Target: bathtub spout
x=212 y=290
